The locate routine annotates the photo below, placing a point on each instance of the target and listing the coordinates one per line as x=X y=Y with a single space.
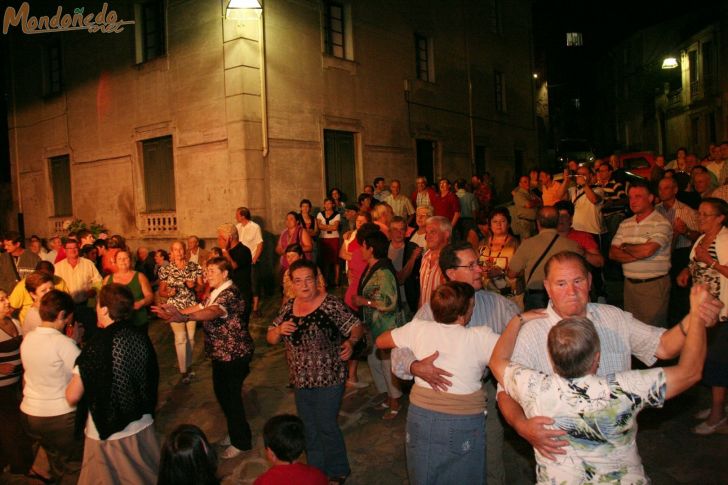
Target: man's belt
x=637 y=281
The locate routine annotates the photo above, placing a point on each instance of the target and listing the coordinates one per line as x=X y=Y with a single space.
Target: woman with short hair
x=319 y=333
x=228 y=344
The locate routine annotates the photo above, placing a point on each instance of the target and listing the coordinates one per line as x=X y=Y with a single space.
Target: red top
x=446 y=206
x=430 y=193
x=583 y=239
x=295 y=473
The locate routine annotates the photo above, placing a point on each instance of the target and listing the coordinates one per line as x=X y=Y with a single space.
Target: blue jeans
x=445 y=448
x=325 y=447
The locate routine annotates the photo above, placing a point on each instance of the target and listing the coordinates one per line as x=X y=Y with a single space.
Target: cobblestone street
x=670 y=452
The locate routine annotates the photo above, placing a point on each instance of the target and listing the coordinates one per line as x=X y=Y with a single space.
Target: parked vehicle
x=638 y=163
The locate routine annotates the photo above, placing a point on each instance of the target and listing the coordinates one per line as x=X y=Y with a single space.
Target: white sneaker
x=230 y=452
x=225 y=441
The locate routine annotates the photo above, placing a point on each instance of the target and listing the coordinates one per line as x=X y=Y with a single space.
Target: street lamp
x=669 y=63
x=239 y=9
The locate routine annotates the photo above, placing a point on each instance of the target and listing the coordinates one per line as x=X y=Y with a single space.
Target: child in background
x=284 y=442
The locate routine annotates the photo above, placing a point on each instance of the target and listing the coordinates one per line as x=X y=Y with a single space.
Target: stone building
x=651 y=104
x=162 y=129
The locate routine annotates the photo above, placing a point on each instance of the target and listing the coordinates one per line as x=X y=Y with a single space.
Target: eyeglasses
x=470 y=266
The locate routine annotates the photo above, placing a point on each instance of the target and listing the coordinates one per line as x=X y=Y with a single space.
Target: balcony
x=59 y=224
x=159 y=223
x=674 y=99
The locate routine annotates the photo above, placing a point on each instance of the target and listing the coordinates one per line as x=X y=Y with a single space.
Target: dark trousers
x=227 y=381
x=56 y=435
x=325 y=448
x=15 y=445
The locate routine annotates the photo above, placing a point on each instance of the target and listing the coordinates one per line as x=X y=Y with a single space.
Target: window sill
x=160 y=63
x=331 y=62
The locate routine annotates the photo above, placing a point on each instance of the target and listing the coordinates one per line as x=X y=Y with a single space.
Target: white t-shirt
x=329 y=234
x=464 y=352
x=250 y=235
x=587 y=215
x=48 y=358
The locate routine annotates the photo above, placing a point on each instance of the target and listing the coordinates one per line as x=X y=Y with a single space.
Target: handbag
x=362 y=348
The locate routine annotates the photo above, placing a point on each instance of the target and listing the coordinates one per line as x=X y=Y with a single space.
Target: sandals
x=338 y=480
x=705 y=429
x=391 y=414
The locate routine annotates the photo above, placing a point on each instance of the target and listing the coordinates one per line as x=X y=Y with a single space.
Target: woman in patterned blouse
x=709 y=266
x=319 y=332
x=228 y=344
x=178 y=282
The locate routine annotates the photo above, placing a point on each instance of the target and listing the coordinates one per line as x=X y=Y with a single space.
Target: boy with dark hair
x=284 y=442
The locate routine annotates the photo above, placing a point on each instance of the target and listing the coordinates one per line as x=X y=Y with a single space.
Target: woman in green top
x=137 y=283
x=378 y=299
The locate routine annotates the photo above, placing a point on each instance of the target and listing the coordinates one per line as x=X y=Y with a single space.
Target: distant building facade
x=162 y=130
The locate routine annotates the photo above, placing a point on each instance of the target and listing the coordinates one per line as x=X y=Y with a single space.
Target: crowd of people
x=437 y=287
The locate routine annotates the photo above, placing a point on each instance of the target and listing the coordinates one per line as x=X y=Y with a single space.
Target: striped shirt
x=653 y=228
x=620 y=335
x=721 y=192
x=430 y=276
x=10 y=354
x=687 y=214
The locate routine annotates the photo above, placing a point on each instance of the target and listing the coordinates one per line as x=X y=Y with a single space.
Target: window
x=60 y=170
x=52 y=69
x=496 y=26
x=573 y=39
x=158 y=165
x=500 y=92
x=334 y=29
x=149 y=31
x=423 y=52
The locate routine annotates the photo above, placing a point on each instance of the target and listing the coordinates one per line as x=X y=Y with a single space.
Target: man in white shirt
x=567 y=283
x=83 y=280
x=250 y=235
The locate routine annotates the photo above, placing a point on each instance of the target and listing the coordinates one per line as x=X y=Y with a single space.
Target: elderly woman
x=378 y=298
x=37 y=283
x=421 y=215
x=446 y=430
x=293 y=233
x=228 y=344
x=294 y=252
x=137 y=283
x=15 y=447
x=599 y=414
x=177 y=282
x=117 y=374
x=381 y=216
x=709 y=266
x=495 y=252
x=319 y=333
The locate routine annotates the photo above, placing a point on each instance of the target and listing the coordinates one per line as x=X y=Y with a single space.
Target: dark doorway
x=426 y=159
x=340 y=163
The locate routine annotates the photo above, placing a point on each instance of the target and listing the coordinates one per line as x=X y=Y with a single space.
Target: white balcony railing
x=159 y=223
x=59 y=225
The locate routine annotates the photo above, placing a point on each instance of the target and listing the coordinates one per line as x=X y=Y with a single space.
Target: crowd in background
x=76 y=308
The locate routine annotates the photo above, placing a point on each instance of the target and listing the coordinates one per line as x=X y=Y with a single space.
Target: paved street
x=671 y=453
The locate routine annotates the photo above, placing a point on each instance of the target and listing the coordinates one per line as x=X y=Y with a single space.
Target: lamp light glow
x=242 y=9
x=669 y=63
